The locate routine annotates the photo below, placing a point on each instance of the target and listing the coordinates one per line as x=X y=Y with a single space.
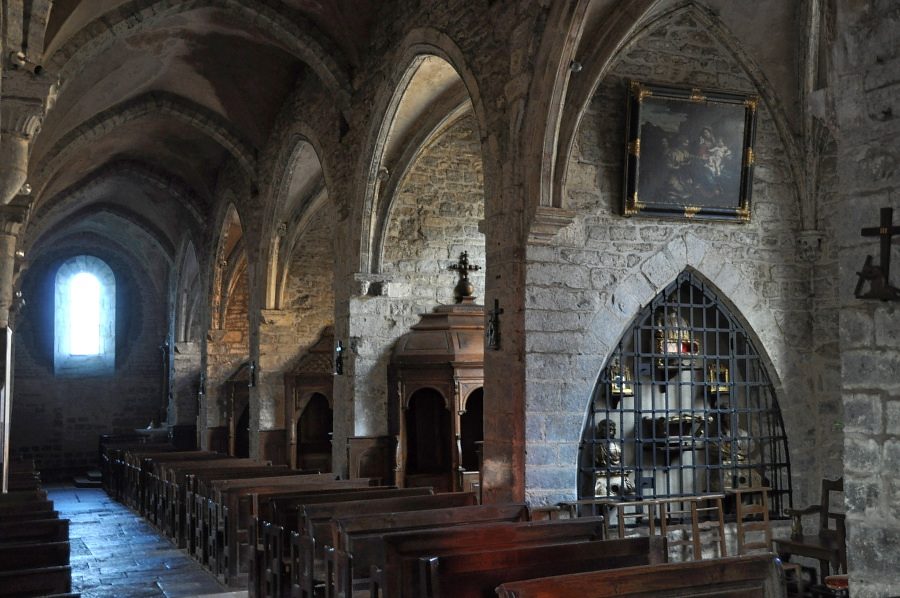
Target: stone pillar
x=865 y=80
x=185 y=378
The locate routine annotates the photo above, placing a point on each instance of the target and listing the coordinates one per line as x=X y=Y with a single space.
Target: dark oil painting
x=689 y=153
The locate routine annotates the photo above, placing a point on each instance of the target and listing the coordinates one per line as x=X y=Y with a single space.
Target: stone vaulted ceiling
x=158 y=99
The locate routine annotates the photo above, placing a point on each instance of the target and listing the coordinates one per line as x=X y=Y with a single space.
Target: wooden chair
x=675 y=509
x=752 y=520
x=829 y=544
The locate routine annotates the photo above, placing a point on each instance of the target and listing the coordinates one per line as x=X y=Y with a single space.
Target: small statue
x=609 y=453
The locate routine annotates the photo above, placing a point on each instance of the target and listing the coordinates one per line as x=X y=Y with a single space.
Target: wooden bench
x=37 y=530
x=213 y=505
x=149 y=469
x=732 y=577
x=165 y=474
x=357 y=541
x=399 y=573
x=230 y=515
x=176 y=508
x=43 y=581
x=183 y=515
x=31 y=555
x=308 y=518
x=270 y=565
x=476 y=573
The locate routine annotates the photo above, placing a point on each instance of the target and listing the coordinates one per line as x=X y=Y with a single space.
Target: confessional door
x=314 y=427
x=429 y=441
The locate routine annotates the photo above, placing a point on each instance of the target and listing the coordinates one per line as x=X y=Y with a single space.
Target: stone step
x=85 y=481
x=95 y=474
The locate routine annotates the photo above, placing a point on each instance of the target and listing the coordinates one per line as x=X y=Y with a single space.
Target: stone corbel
x=547 y=223
x=809 y=245
x=26 y=98
x=14 y=214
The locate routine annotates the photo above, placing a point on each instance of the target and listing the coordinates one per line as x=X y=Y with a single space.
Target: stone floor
x=117 y=554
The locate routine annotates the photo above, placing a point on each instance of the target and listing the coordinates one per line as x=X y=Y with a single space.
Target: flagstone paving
x=117 y=554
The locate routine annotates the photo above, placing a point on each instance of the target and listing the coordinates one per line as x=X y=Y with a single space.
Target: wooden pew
x=743 y=576
x=37 y=530
x=31 y=555
x=163 y=474
x=112 y=461
x=178 y=482
x=230 y=514
x=44 y=581
x=145 y=466
x=25 y=496
x=314 y=533
x=398 y=573
x=476 y=573
x=182 y=514
x=270 y=564
x=357 y=541
x=211 y=513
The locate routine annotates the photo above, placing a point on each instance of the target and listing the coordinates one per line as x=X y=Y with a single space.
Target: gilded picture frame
x=689 y=152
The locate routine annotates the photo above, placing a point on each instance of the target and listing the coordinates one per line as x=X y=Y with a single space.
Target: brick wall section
x=59 y=420
x=866 y=89
x=433 y=219
x=583 y=292
x=228 y=348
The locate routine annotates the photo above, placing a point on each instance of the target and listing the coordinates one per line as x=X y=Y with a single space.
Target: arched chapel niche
x=301 y=287
x=228 y=343
x=584 y=289
x=684 y=406
x=186 y=356
x=427 y=199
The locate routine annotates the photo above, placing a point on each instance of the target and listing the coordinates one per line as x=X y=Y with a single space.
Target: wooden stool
x=747 y=523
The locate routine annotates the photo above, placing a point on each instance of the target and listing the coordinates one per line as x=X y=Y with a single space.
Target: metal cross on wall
x=492 y=332
x=879 y=277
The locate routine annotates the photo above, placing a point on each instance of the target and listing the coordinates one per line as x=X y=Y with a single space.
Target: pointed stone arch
x=419 y=45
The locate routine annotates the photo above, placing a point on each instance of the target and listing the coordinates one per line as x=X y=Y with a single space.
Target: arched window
x=85 y=318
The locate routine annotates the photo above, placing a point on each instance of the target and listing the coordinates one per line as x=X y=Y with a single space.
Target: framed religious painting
x=689 y=152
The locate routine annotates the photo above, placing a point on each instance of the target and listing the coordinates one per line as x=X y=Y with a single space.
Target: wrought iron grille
x=684 y=407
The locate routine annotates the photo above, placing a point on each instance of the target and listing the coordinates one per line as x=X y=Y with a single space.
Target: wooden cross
x=492 y=333
x=880 y=276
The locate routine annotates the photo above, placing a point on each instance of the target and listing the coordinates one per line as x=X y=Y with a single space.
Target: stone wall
x=866 y=98
x=58 y=420
x=584 y=290
x=434 y=217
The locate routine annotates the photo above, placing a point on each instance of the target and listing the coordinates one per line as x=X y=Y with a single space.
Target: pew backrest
x=744 y=576
x=477 y=573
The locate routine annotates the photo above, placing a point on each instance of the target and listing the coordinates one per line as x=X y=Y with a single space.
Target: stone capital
x=26 y=98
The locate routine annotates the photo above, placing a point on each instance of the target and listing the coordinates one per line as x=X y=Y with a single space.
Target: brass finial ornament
x=464 y=289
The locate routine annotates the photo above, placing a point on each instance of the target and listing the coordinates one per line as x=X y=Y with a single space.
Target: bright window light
x=84 y=322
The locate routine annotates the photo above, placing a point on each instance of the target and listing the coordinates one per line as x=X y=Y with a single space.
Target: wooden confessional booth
x=237 y=395
x=435 y=399
x=309 y=403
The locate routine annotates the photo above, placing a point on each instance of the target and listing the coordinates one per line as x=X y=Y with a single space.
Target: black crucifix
x=879 y=277
x=463 y=291
x=492 y=333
